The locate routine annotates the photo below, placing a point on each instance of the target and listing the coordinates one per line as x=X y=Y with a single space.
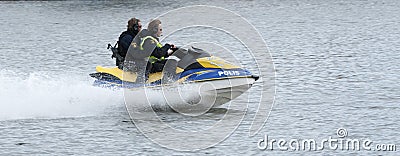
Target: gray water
x=336 y=62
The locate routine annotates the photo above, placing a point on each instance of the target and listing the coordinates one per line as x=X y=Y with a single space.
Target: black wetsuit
x=124 y=41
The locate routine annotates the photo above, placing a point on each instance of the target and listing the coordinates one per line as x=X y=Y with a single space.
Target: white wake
x=52 y=95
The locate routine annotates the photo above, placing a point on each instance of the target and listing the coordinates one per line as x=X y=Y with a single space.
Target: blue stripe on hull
x=192 y=75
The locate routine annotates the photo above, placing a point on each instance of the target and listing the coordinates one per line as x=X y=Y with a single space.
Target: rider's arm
x=160 y=52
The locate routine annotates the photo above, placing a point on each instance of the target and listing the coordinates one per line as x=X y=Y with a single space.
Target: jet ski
x=211 y=75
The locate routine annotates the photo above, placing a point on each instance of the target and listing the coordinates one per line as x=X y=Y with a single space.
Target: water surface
x=337 y=65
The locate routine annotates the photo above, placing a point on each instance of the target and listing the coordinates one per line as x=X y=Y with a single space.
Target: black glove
x=168 y=46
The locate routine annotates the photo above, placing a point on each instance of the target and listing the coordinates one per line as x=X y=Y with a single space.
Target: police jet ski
x=210 y=76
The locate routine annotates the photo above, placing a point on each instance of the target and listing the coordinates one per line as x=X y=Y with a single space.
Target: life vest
x=158 y=44
x=152 y=59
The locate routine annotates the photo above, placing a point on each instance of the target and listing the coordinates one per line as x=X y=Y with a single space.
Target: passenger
x=149 y=48
x=124 y=41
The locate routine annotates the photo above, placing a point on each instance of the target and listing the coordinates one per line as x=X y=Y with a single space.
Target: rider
x=124 y=41
x=149 y=53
